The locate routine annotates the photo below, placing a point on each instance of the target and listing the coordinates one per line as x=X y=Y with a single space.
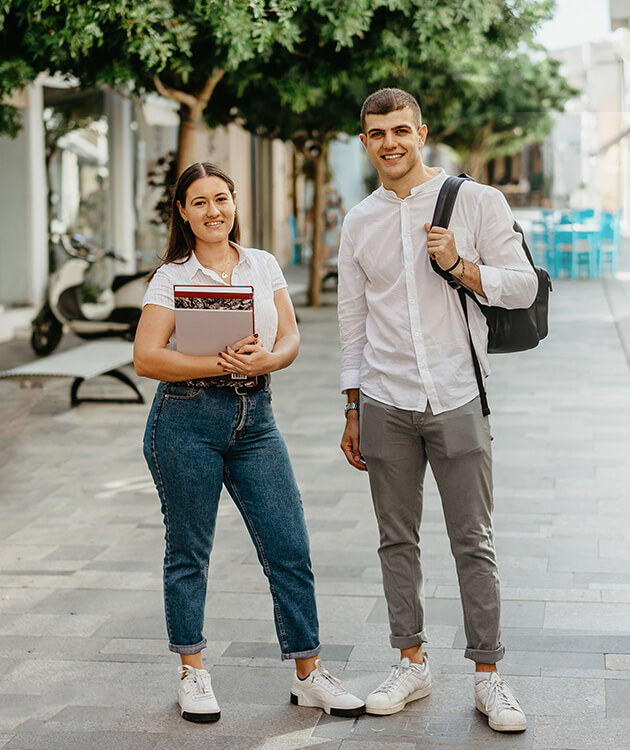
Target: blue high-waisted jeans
x=196 y=440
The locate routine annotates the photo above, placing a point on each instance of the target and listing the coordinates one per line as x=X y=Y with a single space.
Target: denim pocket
x=181 y=392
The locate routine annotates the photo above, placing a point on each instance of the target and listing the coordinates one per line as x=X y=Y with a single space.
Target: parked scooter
x=65 y=304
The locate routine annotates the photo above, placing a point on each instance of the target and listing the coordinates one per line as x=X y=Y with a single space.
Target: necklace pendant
x=224 y=275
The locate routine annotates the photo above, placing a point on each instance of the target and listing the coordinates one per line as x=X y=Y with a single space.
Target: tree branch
x=179 y=96
x=206 y=93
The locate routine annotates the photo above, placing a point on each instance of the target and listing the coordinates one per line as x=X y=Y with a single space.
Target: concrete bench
x=82 y=363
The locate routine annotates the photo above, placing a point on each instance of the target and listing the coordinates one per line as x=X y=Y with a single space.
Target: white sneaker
x=494 y=698
x=195 y=695
x=407 y=682
x=321 y=690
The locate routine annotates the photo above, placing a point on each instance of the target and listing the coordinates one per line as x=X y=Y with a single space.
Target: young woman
x=206 y=429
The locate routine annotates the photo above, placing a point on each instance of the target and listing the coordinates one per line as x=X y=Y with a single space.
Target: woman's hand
x=248 y=357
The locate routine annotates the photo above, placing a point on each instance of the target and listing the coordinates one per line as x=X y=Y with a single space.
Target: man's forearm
x=352 y=395
x=468 y=274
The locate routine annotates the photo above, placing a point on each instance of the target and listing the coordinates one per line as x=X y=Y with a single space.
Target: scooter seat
x=123 y=279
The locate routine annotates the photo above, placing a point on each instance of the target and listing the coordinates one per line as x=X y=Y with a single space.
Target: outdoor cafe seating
x=577 y=244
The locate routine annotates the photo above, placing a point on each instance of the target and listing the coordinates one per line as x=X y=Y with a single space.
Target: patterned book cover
x=213 y=297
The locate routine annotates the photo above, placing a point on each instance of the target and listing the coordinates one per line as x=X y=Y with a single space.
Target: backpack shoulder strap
x=442 y=215
x=441 y=218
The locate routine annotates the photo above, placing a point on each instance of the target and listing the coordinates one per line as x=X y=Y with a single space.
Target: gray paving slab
x=617 y=698
x=81 y=551
x=582 y=733
x=52 y=740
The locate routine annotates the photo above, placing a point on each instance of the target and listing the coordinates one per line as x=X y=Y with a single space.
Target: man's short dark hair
x=384 y=101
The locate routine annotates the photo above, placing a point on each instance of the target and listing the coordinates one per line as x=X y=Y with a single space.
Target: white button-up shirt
x=256 y=267
x=403 y=334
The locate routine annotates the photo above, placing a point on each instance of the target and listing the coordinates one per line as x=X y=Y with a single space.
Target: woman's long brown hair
x=181 y=240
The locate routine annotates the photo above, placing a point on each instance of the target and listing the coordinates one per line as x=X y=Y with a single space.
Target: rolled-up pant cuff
x=407 y=641
x=302 y=654
x=195 y=648
x=485 y=657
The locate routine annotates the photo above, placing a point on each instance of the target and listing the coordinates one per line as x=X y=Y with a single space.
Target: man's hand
x=441 y=247
x=350 y=442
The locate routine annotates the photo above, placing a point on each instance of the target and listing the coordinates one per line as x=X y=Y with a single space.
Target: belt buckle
x=243 y=390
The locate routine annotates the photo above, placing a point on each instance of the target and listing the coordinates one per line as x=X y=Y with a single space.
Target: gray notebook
x=210 y=318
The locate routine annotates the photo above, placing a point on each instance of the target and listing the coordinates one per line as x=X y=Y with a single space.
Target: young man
x=412 y=395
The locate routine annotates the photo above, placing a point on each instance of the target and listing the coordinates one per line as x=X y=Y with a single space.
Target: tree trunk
x=190 y=140
x=191 y=123
x=474 y=165
x=315 y=280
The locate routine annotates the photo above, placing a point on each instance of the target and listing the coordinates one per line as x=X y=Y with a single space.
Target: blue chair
x=584 y=216
x=585 y=250
x=564 y=248
x=609 y=241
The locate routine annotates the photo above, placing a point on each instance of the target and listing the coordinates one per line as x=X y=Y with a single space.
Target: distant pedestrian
x=412 y=394
x=206 y=429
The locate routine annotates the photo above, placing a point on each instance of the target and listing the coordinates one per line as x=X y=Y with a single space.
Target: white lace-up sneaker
x=407 y=682
x=494 y=698
x=321 y=690
x=195 y=695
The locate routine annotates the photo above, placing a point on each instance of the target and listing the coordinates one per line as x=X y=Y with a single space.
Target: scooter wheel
x=45 y=336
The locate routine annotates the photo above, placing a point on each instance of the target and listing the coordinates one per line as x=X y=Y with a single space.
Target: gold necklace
x=223 y=274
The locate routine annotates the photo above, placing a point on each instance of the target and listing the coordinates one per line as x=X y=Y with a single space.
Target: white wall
x=23 y=209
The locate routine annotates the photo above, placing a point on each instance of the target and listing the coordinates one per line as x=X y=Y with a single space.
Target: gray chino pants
x=396 y=445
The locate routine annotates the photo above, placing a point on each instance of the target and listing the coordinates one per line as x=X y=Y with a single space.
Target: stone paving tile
x=577 y=733
x=36 y=647
x=76 y=552
x=25 y=740
x=618 y=698
x=70 y=624
x=359 y=744
x=90 y=602
x=203 y=742
x=136 y=625
x=618 y=661
x=604 y=616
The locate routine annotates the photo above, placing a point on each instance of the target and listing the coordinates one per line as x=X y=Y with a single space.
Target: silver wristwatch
x=352 y=406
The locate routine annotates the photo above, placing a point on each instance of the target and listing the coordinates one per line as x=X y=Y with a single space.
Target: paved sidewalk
x=83 y=658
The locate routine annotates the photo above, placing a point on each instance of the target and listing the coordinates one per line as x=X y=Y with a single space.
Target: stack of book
x=210 y=318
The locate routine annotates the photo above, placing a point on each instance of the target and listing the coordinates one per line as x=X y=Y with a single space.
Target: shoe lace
x=500 y=696
x=199 y=679
x=390 y=683
x=321 y=674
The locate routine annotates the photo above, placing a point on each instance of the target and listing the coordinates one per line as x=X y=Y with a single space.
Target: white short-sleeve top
x=256 y=267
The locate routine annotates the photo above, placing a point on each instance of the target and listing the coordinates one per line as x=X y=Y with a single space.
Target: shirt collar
x=430 y=186
x=192 y=265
